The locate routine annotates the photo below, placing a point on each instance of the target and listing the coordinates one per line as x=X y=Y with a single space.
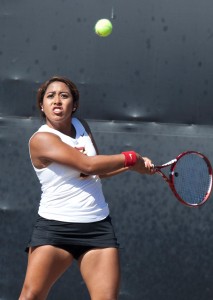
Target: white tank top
x=65 y=195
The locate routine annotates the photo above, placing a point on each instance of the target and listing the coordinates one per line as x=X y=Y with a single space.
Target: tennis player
x=73 y=219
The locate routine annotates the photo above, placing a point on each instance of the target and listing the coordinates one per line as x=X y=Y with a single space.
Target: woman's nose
x=57 y=100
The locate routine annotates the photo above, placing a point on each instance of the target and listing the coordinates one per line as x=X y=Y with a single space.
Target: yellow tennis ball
x=103 y=27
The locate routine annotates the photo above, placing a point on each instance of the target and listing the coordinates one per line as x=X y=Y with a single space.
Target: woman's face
x=57 y=102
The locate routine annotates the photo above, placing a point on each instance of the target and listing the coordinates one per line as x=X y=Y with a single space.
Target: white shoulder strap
x=80 y=130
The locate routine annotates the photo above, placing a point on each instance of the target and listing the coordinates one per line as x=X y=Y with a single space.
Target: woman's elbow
x=89 y=169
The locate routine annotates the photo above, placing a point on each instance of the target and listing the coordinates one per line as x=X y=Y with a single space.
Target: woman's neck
x=67 y=129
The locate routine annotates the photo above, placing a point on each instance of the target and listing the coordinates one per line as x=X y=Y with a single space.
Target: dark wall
x=156 y=66
x=147 y=87
x=166 y=248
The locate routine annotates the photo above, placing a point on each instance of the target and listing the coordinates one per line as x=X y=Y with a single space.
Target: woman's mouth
x=57 y=110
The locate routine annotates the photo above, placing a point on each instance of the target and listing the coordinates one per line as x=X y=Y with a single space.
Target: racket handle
x=154 y=168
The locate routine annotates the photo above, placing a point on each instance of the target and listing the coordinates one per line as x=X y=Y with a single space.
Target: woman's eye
x=50 y=96
x=64 y=96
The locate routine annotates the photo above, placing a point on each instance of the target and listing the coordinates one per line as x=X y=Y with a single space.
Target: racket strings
x=191 y=179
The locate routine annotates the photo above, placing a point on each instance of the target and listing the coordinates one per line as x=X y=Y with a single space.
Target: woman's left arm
x=88 y=130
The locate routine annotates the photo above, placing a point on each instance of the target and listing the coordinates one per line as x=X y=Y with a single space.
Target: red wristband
x=130 y=158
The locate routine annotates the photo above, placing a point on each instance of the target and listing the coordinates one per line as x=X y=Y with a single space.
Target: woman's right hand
x=143 y=165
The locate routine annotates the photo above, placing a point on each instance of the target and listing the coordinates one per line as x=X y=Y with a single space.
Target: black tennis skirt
x=98 y=234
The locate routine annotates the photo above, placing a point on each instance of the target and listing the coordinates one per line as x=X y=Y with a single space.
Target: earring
x=42 y=109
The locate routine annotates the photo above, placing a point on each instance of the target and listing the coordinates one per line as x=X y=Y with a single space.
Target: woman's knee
x=30 y=293
x=105 y=296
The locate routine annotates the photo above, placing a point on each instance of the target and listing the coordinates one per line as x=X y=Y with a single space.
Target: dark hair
x=42 y=89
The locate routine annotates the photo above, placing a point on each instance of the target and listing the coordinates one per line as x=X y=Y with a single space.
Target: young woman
x=73 y=217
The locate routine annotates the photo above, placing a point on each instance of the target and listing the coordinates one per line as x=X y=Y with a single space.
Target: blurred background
x=147 y=87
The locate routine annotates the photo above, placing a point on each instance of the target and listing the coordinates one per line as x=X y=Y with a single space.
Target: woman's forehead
x=57 y=85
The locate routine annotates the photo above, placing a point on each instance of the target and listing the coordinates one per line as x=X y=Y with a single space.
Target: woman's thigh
x=100 y=269
x=45 y=265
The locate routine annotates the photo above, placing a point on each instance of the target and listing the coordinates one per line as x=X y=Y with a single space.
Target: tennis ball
x=103 y=27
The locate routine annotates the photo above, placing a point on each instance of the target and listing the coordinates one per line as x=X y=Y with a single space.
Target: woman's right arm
x=46 y=148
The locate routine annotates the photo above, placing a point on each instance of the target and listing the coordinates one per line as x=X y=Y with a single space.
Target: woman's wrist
x=130 y=158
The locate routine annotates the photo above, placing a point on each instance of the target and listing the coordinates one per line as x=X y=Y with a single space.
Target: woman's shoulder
x=42 y=136
x=44 y=131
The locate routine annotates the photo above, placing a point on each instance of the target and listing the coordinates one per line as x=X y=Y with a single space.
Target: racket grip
x=130 y=158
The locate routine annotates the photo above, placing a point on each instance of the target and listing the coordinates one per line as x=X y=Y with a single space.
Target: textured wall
x=166 y=248
x=146 y=87
x=156 y=66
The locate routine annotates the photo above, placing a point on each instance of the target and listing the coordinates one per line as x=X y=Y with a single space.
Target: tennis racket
x=190 y=177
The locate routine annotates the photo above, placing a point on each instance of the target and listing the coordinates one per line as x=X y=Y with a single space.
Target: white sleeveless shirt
x=66 y=196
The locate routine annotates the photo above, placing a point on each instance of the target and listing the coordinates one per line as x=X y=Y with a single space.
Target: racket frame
x=170 y=180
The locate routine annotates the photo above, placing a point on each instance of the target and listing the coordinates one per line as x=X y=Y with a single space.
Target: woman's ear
x=75 y=106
